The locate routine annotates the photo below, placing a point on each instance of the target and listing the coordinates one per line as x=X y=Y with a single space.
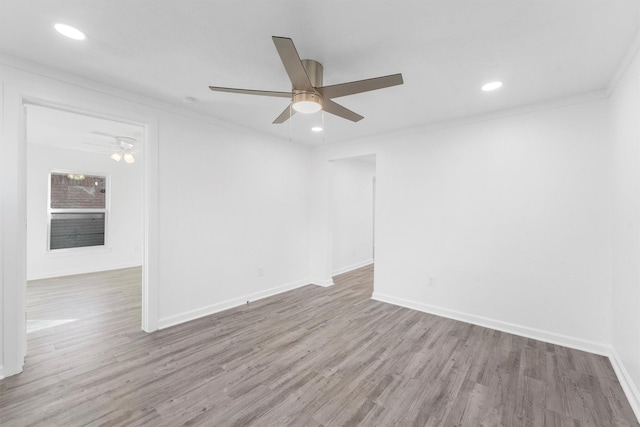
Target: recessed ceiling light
x=491 y=86
x=68 y=31
x=316 y=129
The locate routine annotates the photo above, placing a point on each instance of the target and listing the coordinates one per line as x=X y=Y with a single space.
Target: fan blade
x=127 y=139
x=251 y=92
x=97 y=144
x=344 y=89
x=284 y=116
x=331 y=107
x=292 y=63
x=95 y=132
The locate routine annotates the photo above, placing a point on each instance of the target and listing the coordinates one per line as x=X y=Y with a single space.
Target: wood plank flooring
x=309 y=357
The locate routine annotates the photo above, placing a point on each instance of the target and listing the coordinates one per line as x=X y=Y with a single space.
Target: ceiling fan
x=125 y=147
x=307 y=93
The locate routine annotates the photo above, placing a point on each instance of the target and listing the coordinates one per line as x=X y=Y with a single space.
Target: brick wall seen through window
x=77 y=210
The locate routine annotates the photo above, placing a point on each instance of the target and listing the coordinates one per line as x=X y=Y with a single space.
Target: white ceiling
x=446 y=49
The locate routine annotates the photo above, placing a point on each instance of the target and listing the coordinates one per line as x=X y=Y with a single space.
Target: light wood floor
x=310 y=357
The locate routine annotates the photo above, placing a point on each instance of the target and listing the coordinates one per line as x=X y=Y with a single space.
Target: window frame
x=106 y=211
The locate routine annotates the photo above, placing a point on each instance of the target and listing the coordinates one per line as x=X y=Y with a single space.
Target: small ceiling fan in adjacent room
x=124 y=149
x=308 y=95
x=125 y=145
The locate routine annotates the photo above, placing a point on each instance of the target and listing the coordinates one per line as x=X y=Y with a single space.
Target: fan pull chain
x=290 y=125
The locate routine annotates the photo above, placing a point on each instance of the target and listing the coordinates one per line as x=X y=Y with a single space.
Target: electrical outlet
x=431 y=281
x=260 y=271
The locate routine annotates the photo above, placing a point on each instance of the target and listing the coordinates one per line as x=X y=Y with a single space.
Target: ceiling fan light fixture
x=491 y=86
x=317 y=129
x=128 y=158
x=69 y=31
x=117 y=156
x=307 y=103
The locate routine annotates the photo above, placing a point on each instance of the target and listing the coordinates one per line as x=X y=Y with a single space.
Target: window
x=77 y=210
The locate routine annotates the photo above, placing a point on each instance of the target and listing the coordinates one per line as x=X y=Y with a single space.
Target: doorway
x=352 y=191
x=85 y=213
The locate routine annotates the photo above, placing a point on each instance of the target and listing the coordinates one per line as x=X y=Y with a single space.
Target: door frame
x=14 y=202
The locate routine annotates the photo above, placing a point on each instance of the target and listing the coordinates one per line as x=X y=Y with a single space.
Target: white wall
x=351 y=214
x=231 y=204
x=510 y=216
x=124 y=229
x=625 y=127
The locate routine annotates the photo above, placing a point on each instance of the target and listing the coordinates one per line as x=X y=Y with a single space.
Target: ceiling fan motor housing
x=305 y=101
x=314 y=70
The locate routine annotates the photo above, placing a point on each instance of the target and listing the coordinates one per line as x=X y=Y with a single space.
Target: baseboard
x=1 y=372
x=511 y=328
x=76 y=271
x=628 y=386
x=352 y=267
x=225 y=305
x=322 y=282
